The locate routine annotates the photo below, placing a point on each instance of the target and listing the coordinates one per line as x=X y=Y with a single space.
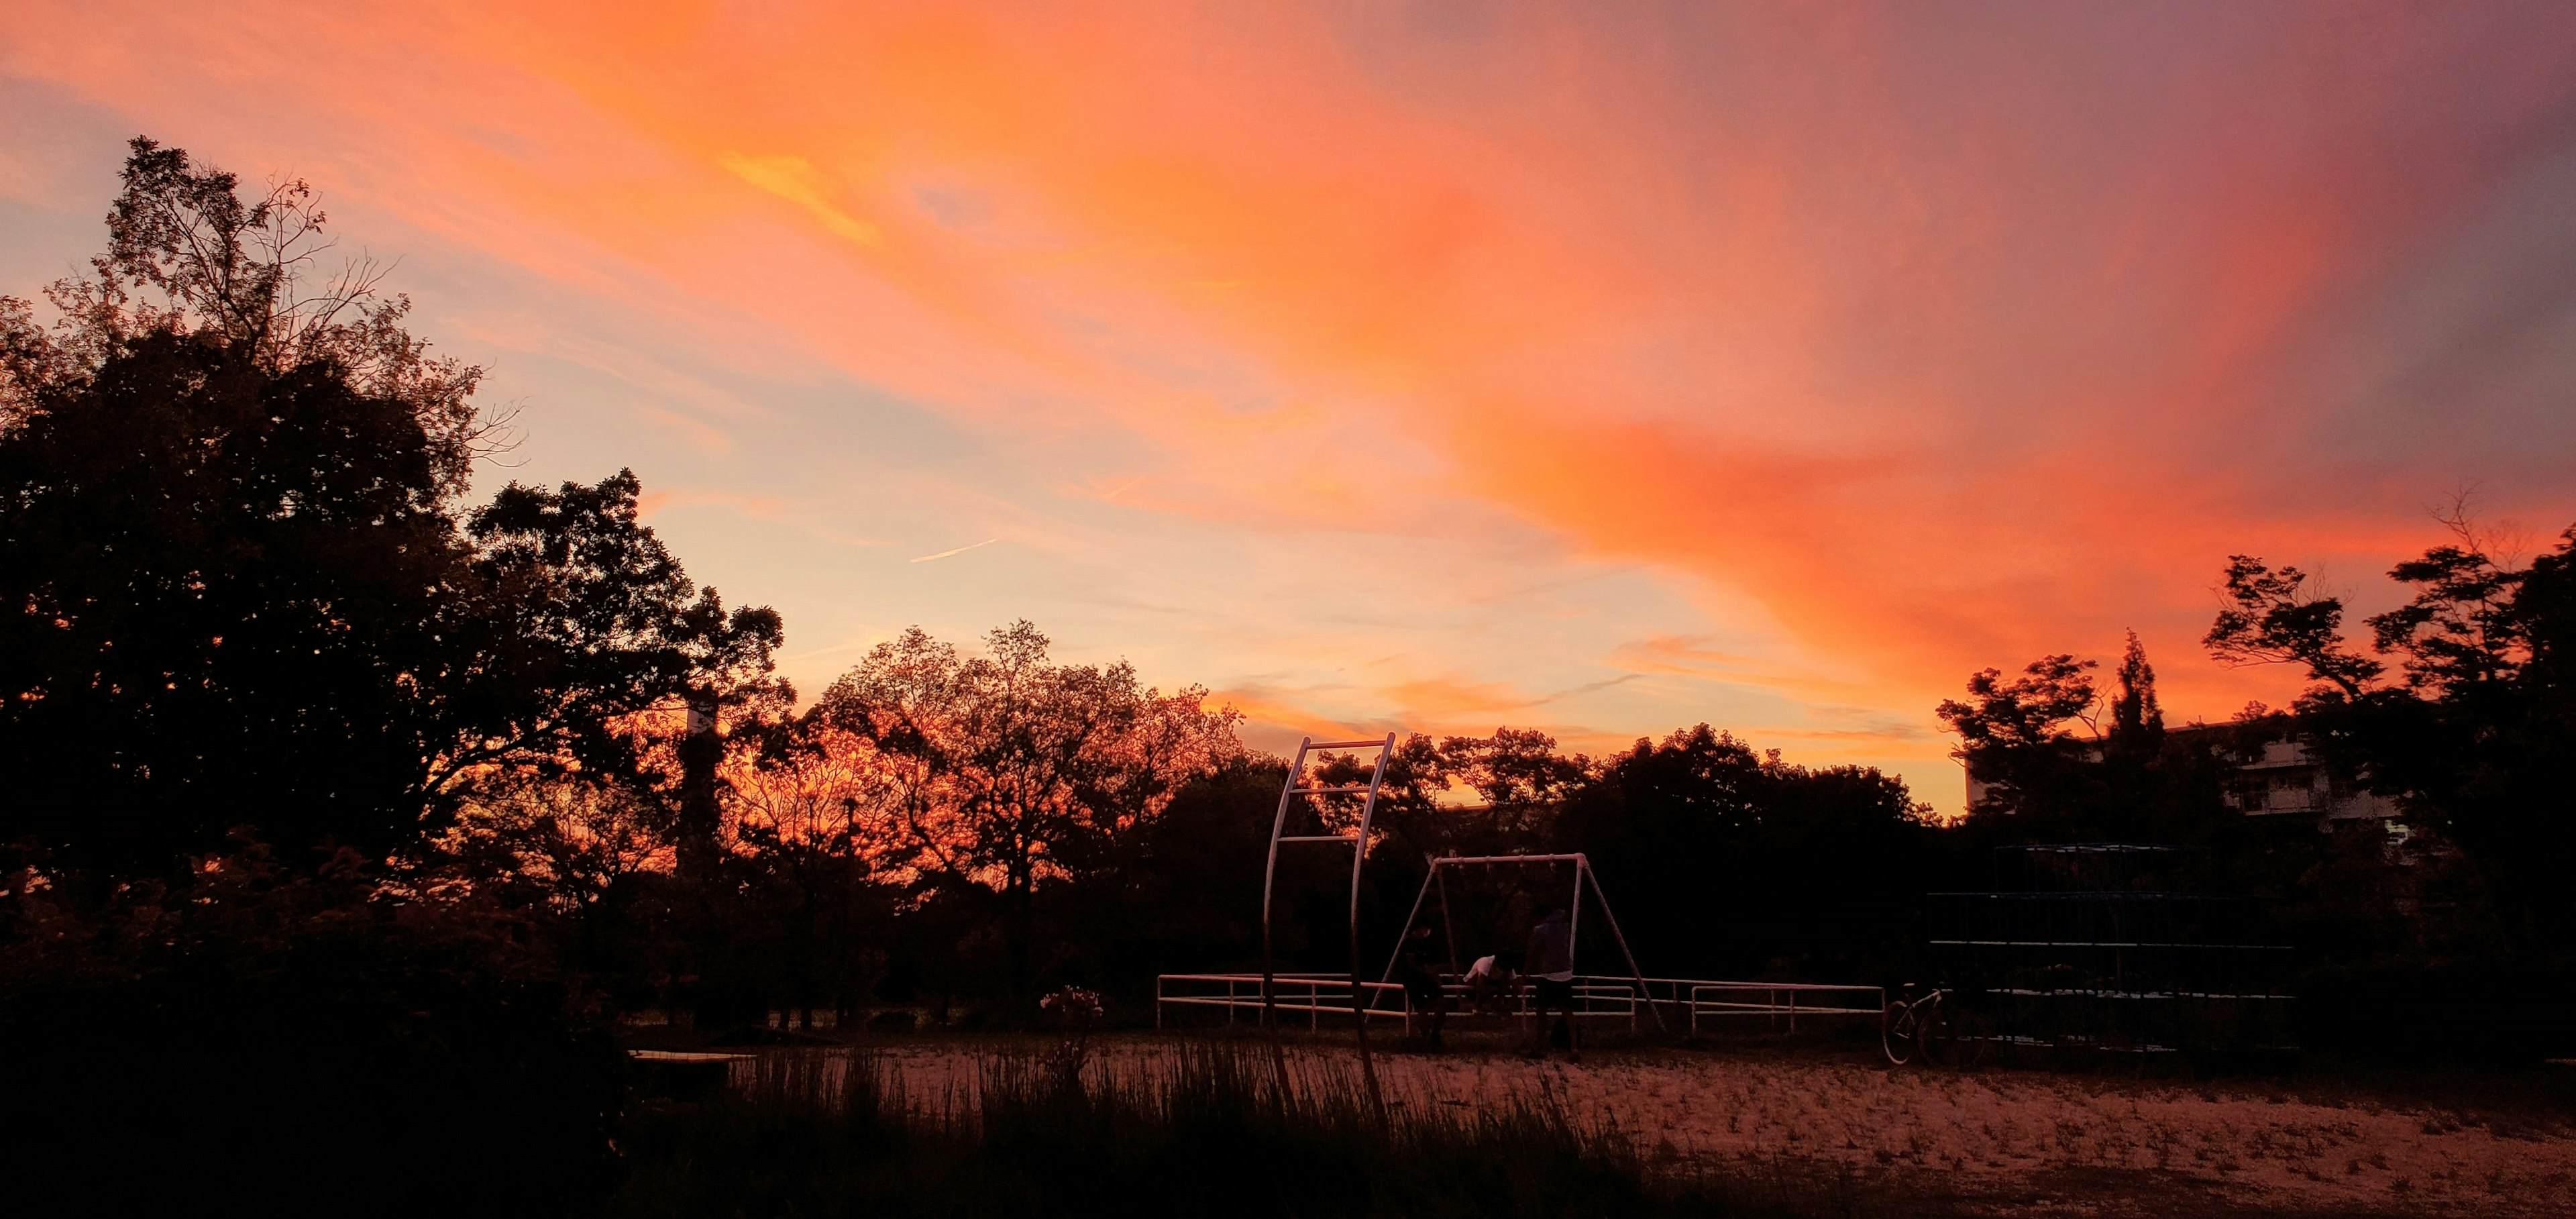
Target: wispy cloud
x=948 y=554
x=753 y=507
x=838 y=538
x=794 y=179
x=1924 y=342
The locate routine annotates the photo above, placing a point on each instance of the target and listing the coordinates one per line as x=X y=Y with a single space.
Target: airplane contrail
x=960 y=550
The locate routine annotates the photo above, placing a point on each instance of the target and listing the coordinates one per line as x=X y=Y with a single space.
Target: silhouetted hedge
x=286 y=1046
x=2489 y=1013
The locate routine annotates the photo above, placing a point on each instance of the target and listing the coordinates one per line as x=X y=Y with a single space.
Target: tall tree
x=1007 y=772
x=237 y=590
x=1722 y=858
x=2474 y=734
x=579 y=618
x=1470 y=795
x=2012 y=734
x=2137 y=720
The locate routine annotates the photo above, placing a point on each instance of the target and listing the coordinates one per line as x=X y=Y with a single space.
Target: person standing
x=1426 y=1005
x=1550 y=964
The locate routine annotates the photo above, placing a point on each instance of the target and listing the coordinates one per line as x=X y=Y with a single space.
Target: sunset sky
x=1445 y=366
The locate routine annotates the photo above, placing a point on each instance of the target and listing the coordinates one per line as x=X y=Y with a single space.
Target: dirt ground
x=2002 y=1141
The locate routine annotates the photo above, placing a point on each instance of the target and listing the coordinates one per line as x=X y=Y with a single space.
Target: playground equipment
x=1343 y=814
x=1358 y=838
x=1437 y=880
x=2096 y=949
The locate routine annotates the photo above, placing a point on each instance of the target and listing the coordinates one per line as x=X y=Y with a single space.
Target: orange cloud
x=1898 y=343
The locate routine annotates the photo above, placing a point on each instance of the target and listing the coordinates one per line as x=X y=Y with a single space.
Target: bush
x=2486 y=1013
x=295 y=1047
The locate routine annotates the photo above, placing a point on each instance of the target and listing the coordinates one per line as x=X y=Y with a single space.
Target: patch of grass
x=1212 y=1130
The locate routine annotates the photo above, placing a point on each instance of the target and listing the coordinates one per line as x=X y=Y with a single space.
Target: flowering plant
x=1079 y=1008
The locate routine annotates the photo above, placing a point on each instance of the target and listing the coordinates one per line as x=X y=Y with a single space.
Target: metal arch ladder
x=1289 y=792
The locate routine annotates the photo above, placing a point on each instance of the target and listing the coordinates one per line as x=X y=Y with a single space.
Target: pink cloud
x=1910 y=341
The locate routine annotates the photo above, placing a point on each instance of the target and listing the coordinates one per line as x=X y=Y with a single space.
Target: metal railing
x=1314 y=995
x=1601 y=998
x=1783 y=1001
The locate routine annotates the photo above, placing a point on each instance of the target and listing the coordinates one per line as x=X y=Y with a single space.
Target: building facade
x=2277 y=778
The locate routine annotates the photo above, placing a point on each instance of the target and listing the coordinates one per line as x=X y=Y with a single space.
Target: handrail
x=1598 y=997
x=1771 y=1006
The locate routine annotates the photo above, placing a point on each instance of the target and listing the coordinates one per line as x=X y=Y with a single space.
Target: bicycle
x=1926 y=1025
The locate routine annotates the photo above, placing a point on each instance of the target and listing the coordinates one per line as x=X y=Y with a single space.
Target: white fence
x=1313 y=996
x=1318 y=998
x=1782 y=1003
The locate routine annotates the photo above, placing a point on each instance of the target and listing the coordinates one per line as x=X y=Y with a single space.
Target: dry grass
x=996 y=1129
x=2002 y=1142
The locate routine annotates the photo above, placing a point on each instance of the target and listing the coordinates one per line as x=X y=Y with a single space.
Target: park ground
x=1823 y=1124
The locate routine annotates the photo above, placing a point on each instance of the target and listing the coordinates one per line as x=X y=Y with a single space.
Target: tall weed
x=1208 y=1129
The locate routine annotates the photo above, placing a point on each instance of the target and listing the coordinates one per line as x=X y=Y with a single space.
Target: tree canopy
x=1006 y=771
x=2474 y=733
x=241 y=590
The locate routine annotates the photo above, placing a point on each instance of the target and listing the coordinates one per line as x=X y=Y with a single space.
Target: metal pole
x=1448 y=929
x=1574 y=946
x=1359 y=855
x=1269 y=979
x=1409 y=916
x=1269 y=878
x=1583 y=869
x=1574 y=919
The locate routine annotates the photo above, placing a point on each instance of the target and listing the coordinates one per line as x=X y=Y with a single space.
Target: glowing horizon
x=1445 y=366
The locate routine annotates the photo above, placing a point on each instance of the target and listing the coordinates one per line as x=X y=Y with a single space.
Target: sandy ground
x=1998 y=1132
x=2019 y=1142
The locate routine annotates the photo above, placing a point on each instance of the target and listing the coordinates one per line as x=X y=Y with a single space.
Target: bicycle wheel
x=1896 y=1032
x=1935 y=1032
x=1973 y=1037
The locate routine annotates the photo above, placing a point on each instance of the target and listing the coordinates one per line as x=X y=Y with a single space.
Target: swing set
x=1510 y=885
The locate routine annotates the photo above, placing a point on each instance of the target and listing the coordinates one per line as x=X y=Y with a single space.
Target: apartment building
x=2285 y=780
x=2278 y=779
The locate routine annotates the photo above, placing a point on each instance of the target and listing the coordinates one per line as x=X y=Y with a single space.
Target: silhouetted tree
x=2013 y=735
x=1466 y=795
x=1719 y=858
x=244 y=615
x=2137 y=720
x=1187 y=896
x=2475 y=734
x=2039 y=779
x=237 y=589
x=585 y=619
x=1005 y=773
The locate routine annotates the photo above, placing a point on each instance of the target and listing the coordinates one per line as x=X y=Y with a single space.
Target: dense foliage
x=241 y=592
x=256 y=657
x=2452 y=926
x=2473 y=735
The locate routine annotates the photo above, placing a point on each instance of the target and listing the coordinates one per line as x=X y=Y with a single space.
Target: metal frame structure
x=1359 y=840
x=1597 y=997
x=1574 y=909
x=2097 y=951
